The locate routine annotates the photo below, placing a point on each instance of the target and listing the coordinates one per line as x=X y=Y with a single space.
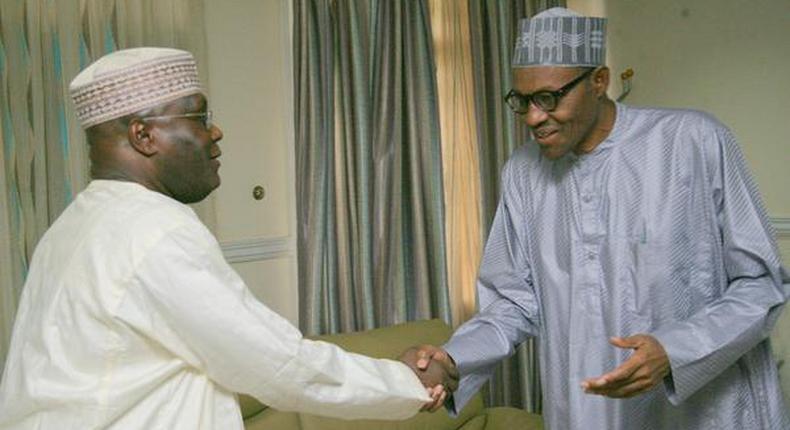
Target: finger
x=631 y=342
x=430 y=406
x=438 y=396
x=427 y=405
x=428 y=353
x=607 y=387
x=628 y=390
x=622 y=342
x=642 y=377
x=434 y=393
x=621 y=373
x=607 y=381
x=440 y=354
x=439 y=403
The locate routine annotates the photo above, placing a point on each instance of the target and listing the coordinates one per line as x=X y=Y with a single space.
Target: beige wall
x=250 y=92
x=719 y=56
x=727 y=57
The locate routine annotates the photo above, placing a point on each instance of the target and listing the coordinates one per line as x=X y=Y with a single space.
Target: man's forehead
x=195 y=102
x=191 y=103
x=541 y=78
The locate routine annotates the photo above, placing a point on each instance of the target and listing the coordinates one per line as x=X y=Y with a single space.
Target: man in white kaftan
x=632 y=244
x=130 y=317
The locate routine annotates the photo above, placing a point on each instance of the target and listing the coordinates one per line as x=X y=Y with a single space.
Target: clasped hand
x=435 y=369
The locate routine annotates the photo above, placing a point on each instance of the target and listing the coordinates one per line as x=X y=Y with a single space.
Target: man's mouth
x=543 y=135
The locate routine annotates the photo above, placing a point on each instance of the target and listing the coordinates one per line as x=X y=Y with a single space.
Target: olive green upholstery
x=390 y=342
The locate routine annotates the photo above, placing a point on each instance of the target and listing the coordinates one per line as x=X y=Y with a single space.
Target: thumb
x=630 y=342
x=424 y=355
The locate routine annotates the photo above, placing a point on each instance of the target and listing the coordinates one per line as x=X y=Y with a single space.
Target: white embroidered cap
x=560 y=37
x=131 y=80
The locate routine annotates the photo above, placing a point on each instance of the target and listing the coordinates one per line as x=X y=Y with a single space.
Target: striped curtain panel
x=369 y=173
x=43 y=161
x=452 y=48
x=375 y=81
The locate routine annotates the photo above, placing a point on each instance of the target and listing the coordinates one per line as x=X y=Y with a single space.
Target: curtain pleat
x=494 y=28
x=369 y=182
x=452 y=47
x=44 y=162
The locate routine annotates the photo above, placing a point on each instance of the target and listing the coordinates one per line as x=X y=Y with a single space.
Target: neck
x=114 y=175
x=128 y=176
x=601 y=128
x=113 y=158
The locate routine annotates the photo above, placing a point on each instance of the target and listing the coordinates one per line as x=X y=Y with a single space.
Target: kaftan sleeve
x=507 y=301
x=185 y=297
x=757 y=286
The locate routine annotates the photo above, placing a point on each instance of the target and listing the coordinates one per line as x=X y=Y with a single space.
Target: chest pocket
x=653 y=282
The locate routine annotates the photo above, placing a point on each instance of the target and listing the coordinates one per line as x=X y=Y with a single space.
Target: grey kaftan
x=659 y=230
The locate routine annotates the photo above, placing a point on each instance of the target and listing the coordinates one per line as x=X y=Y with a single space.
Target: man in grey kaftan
x=633 y=245
x=658 y=230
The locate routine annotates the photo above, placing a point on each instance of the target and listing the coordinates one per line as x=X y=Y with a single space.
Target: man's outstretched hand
x=646 y=367
x=435 y=369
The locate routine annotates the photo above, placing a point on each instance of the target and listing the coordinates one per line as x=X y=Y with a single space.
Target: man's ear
x=601 y=81
x=141 y=138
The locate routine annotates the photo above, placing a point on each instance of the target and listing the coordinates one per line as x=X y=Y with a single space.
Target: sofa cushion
x=390 y=342
x=477 y=423
x=249 y=406
x=439 y=420
x=271 y=419
x=423 y=421
x=386 y=342
x=512 y=418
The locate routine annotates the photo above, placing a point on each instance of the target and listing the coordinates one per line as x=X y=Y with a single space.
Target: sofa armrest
x=386 y=342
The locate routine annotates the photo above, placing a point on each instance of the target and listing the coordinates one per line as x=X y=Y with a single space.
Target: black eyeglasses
x=205 y=117
x=546 y=101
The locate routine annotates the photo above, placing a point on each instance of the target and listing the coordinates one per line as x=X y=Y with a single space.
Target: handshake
x=435 y=369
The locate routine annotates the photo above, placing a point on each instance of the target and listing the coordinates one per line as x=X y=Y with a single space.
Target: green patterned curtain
x=369 y=178
x=43 y=162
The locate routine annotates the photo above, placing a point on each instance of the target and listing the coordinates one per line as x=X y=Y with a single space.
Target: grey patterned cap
x=131 y=80
x=562 y=38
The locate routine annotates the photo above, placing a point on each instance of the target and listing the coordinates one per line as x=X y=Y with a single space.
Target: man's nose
x=216 y=133
x=535 y=115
